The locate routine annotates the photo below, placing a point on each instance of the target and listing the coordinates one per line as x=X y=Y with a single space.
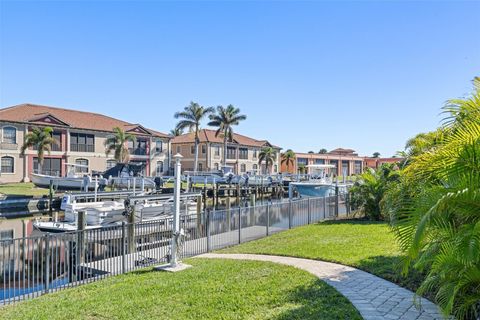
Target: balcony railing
x=8 y=146
x=138 y=151
x=82 y=147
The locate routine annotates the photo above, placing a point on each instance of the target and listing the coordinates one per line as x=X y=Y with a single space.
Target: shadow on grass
x=358 y=221
x=318 y=301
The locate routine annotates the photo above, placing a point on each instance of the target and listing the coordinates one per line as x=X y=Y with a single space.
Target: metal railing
x=32 y=266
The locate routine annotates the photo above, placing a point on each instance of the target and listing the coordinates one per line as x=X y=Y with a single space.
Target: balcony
x=82 y=148
x=138 y=151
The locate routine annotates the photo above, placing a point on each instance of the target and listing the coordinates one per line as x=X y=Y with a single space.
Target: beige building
x=346 y=161
x=242 y=152
x=81 y=136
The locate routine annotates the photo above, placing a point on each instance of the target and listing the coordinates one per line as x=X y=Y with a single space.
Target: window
x=111 y=164
x=243 y=167
x=243 y=153
x=255 y=154
x=51 y=166
x=275 y=168
x=319 y=161
x=6 y=236
x=178 y=149
x=192 y=149
x=7 y=165
x=9 y=135
x=200 y=167
x=204 y=148
x=82 y=142
x=159 y=168
x=217 y=150
x=58 y=138
x=345 y=168
x=216 y=166
x=139 y=147
x=358 y=167
x=158 y=146
x=83 y=166
x=231 y=152
x=303 y=161
x=255 y=168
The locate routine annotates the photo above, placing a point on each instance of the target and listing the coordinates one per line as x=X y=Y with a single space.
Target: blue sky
x=309 y=75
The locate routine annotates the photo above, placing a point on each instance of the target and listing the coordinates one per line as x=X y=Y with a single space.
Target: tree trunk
x=195 y=164
x=224 y=151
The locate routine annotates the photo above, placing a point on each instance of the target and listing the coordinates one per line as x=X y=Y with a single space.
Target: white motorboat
x=110 y=213
x=319 y=185
x=72 y=181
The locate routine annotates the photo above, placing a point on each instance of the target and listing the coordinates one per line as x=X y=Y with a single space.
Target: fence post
x=47 y=262
x=347 y=203
x=239 y=225
x=228 y=213
x=268 y=219
x=208 y=231
x=289 y=214
x=309 y=218
x=124 y=265
x=131 y=230
x=324 y=208
x=336 y=201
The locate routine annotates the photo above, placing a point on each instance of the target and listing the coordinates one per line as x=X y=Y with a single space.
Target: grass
x=22 y=188
x=212 y=289
x=366 y=245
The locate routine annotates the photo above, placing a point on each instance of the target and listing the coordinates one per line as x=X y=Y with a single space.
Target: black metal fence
x=33 y=266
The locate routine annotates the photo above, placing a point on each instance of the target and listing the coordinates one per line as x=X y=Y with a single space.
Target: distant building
x=377 y=162
x=346 y=161
x=242 y=152
x=81 y=136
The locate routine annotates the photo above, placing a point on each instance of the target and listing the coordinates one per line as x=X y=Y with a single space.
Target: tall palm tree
x=41 y=140
x=118 y=144
x=191 y=116
x=288 y=157
x=225 y=119
x=176 y=132
x=268 y=156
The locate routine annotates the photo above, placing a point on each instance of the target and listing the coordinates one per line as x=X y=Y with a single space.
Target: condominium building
x=242 y=152
x=346 y=161
x=81 y=140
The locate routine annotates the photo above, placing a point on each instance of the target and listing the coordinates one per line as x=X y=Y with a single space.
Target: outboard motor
x=158 y=182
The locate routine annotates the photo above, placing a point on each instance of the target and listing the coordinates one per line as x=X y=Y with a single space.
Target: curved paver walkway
x=374 y=297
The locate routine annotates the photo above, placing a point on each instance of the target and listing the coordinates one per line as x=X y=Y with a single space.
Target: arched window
x=216 y=166
x=159 y=168
x=82 y=166
x=243 y=168
x=255 y=168
x=111 y=163
x=7 y=165
x=9 y=135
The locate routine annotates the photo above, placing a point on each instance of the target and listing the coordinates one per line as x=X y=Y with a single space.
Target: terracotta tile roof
x=32 y=113
x=208 y=135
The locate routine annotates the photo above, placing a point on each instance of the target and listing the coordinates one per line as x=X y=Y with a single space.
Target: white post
x=134 y=185
x=176 y=206
x=96 y=188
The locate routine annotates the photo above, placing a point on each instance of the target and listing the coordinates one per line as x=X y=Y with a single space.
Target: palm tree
x=118 y=144
x=191 y=116
x=288 y=158
x=41 y=140
x=434 y=211
x=301 y=168
x=225 y=119
x=322 y=151
x=267 y=155
x=376 y=154
x=176 y=132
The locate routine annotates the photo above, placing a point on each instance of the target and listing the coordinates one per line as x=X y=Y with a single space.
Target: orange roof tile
x=31 y=113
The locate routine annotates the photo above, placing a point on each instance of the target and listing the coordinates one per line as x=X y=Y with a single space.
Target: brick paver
x=374 y=297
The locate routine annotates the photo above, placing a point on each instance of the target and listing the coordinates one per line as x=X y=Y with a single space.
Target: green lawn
x=21 y=188
x=212 y=289
x=369 y=246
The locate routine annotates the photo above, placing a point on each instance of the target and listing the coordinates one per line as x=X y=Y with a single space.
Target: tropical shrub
x=369 y=188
